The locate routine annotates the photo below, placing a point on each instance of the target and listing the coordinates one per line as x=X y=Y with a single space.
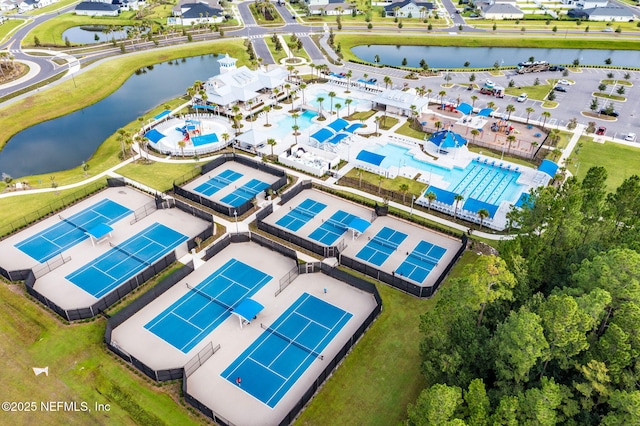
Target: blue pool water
x=326 y=104
x=485 y=182
x=283 y=126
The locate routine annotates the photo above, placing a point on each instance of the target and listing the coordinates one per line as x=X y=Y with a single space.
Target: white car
x=608 y=30
x=523 y=97
x=565 y=82
x=631 y=137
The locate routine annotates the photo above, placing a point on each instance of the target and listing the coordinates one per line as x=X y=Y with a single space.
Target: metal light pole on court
x=235 y=214
x=413 y=198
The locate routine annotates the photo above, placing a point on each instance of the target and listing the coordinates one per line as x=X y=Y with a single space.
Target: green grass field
x=159 y=176
x=621 y=161
x=80 y=369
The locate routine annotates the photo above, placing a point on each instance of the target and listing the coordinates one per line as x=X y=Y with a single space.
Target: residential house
x=194 y=13
x=329 y=7
x=27 y=5
x=5 y=6
x=408 y=8
x=609 y=13
x=591 y=4
x=94 y=8
x=501 y=11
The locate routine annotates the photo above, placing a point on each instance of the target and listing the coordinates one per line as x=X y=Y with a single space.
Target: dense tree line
x=549 y=332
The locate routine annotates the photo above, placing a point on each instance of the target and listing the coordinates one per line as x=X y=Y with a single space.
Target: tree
x=387 y=81
x=510 y=108
x=266 y=110
x=529 y=111
x=435 y=405
x=338 y=107
x=271 y=142
x=474 y=134
x=320 y=100
x=478 y=404
x=594 y=104
x=457 y=198
x=404 y=188
x=430 y=196
x=348 y=103
x=331 y=96
x=518 y=344
x=483 y=214
x=602 y=87
x=474 y=98
x=546 y=115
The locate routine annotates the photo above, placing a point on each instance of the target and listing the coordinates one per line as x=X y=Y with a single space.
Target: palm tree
x=457 y=198
x=442 y=94
x=474 y=133
x=430 y=196
x=295 y=128
x=295 y=118
x=271 y=142
x=122 y=138
x=320 y=100
x=483 y=213
x=529 y=112
x=302 y=87
x=338 y=106
x=349 y=75
x=387 y=81
x=491 y=105
x=510 y=108
x=331 y=96
x=429 y=91
x=404 y=188
x=276 y=92
x=182 y=144
x=474 y=98
x=510 y=139
x=348 y=102
x=546 y=115
x=266 y=110
x=359 y=174
x=377 y=120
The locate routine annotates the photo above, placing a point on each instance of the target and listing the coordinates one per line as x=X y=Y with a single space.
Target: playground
x=189 y=135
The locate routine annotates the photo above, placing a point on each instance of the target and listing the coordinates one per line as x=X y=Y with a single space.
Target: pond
x=66 y=142
x=485 y=57
x=88 y=34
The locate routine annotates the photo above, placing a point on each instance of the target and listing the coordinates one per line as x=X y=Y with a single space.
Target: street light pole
x=413 y=197
x=235 y=214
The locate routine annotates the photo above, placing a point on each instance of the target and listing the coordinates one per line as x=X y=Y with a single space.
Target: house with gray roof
x=94 y=8
x=329 y=7
x=609 y=13
x=193 y=13
x=408 y=8
x=501 y=11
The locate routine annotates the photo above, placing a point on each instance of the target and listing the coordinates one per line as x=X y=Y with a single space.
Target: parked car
x=473 y=15
x=609 y=112
x=372 y=80
x=608 y=30
x=601 y=130
x=556 y=68
x=565 y=82
x=560 y=89
x=631 y=137
x=523 y=97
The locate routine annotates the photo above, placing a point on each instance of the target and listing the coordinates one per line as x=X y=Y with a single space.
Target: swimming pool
x=480 y=180
x=283 y=126
x=326 y=103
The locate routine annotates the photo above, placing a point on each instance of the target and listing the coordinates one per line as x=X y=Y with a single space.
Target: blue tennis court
x=381 y=246
x=123 y=261
x=244 y=193
x=72 y=230
x=216 y=183
x=333 y=228
x=419 y=263
x=196 y=314
x=301 y=214
x=282 y=353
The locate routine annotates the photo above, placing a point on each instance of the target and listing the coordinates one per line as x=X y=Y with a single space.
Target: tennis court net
x=425 y=259
x=214 y=300
x=338 y=225
x=247 y=192
x=291 y=341
x=75 y=225
x=131 y=255
x=384 y=243
x=221 y=180
x=305 y=212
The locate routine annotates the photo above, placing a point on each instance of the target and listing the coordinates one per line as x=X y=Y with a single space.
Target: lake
x=66 y=142
x=485 y=57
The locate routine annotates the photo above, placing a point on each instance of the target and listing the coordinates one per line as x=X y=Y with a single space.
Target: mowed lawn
x=80 y=370
x=621 y=161
x=382 y=375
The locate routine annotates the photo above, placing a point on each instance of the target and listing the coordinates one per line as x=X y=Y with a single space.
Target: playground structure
x=190 y=129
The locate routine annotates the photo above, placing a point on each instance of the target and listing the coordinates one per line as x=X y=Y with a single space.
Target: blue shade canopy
x=99 y=230
x=485 y=112
x=353 y=127
x=370 y=157
x=548 y=167
x=322 y=135
x=162 y=114
x=473 y=205
x=447 y=139
x=442 y=195
x=465 y=108
x=339 y=124
x=248 y=309
x=153 y=135
x=359 y=224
